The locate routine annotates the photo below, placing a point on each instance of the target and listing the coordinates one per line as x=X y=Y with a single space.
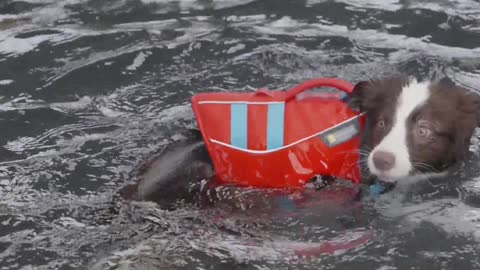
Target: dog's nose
x=383 y=160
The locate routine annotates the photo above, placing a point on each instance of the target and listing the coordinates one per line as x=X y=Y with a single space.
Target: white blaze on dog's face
x=390 y=159
x=415 y=127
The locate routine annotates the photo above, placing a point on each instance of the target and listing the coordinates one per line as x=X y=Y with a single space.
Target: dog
x=414 y=129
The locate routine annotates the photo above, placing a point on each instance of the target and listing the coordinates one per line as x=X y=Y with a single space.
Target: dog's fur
x=413 y=129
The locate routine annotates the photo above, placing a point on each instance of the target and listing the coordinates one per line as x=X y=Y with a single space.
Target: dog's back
x=176 y=174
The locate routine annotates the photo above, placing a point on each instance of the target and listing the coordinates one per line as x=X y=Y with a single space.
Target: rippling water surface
x=89 y=89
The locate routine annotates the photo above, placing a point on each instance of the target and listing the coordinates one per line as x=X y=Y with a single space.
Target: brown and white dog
x=415 y=129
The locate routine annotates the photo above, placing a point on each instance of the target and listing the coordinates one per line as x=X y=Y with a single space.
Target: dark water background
x=89 y=89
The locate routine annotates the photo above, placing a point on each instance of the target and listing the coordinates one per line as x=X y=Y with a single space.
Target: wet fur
x=449 y=112
x=180 y=173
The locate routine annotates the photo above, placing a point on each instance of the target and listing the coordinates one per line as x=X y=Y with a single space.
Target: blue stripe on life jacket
x=238 y=125
x=275 y=119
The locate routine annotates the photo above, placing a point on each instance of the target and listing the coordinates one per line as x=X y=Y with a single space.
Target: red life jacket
x=273 y=139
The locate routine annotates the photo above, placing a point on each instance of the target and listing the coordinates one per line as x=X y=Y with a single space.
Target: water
x=90 y=89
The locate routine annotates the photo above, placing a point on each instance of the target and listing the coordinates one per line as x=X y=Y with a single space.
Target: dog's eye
x=423 y=132
x=381 y=124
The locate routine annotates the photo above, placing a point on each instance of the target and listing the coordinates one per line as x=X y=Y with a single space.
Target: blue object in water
x=344 y=97
x=376 y=189
x=285 y=204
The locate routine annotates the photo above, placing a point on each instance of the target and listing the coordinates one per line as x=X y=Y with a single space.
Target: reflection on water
x=90 y=89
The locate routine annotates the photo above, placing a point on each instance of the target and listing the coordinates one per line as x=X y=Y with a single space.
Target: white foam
x=390 y=5
x=452 y=215
x=138 y=61
x=5 y=82
x=19 y=144
x=71 y=65
x=196 y=5
x=468 y=80
x=109 y=112
x=178 y=112
x=4 y=17
x=246 y=19
x=11 y=45
x=157 y=25
x=70 y=222
x=403 y=45
x=386 y=267
x=40 y=17
x=82 y=103
x=285 y=22
x=236 y=48
x=455 y=7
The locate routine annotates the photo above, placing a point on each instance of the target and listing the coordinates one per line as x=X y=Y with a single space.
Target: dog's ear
x=467 y=119
x=368 y=95
x=363 y=96
x=476 y=107
x=469 y=107
x=356 y=98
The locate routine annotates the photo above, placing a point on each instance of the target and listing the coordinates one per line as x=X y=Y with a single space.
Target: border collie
x=414 y=129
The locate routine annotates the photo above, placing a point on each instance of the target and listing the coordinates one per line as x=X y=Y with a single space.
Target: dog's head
x=415 y=127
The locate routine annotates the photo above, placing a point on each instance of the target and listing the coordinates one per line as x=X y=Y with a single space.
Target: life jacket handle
x=322 y=82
